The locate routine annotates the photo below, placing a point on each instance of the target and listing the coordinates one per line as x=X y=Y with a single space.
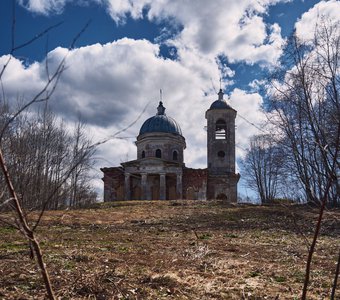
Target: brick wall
x=113 y=183
x=194 y=183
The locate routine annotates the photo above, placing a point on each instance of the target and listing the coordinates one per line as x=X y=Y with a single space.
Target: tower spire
x=160 y=109
x=220 y=95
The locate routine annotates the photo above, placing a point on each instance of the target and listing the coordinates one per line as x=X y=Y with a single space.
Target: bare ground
x=174 y=250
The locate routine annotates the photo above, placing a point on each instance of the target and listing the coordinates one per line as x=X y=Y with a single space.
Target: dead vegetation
x=173 y=250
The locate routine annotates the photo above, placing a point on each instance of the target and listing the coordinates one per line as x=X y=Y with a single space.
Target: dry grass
x=173 y=250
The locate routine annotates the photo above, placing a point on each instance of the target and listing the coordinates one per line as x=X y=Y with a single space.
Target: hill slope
x=173 y=250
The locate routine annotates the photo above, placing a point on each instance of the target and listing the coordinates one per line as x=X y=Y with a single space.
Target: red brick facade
x=194 y=183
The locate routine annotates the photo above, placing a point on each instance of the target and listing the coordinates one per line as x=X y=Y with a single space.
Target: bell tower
x=222 y=179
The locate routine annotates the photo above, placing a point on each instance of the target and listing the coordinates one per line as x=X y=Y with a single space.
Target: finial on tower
x=220 y=95
x=160 y=109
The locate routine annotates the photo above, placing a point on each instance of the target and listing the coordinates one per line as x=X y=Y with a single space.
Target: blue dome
x=220 y=103
x=160 y=123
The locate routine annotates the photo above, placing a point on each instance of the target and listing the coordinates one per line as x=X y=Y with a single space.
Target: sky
x=133 y=48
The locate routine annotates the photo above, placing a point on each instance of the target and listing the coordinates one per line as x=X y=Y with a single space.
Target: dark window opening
x=175 y=155
x=143 y=154
x=221 y=130
x=221 y=154
x=222 y=197
x=159 y=153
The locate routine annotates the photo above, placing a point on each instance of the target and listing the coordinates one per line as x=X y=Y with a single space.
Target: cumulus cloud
x=327 y=11
x=19 y=80
x=250 y=118
x=104 y=82
x=235 y=28
x=110 y=85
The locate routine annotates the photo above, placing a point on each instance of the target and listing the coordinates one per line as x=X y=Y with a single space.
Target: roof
x=220 y=103
x=160 y=123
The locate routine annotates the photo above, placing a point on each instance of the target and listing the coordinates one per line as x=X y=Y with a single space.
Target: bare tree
x=81 y=191
x=306 y=104
x=19 y=218
x=262 y=166
x=307 y=109
x=40 y=151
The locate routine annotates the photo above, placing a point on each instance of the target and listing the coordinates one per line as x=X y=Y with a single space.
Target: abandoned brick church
x=159 y=172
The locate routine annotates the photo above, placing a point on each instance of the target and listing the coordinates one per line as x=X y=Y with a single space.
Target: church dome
x=160 y=123
x=220 y=103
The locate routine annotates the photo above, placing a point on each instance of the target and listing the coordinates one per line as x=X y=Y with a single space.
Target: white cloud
x=250 y=118
x=28 y=79
x=235 y=28
x=44 y=7
x=119 y=9
x=109 y=86
x=324 y=10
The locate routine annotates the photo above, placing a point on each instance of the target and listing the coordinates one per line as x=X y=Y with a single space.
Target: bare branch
x=336 y=275
x=36 y=37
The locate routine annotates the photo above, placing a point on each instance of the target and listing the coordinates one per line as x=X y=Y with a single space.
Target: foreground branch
x=22 y=222
x=315 y=238
x=336 y=277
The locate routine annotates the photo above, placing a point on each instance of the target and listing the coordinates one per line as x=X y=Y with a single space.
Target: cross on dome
x=160 y=109
x=220 y=95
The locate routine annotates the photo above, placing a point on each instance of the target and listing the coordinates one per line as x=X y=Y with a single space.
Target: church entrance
x=153 y=182
x=171 y=187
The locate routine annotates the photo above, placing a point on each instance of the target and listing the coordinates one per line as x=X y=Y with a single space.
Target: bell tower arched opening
x=220 y=130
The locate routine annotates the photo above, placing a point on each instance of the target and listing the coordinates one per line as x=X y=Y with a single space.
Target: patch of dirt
x=173 y=250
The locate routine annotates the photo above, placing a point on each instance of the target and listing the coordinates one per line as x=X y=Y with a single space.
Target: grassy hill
x=174 y=250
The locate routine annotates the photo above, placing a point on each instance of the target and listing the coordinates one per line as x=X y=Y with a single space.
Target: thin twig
x=36 y=37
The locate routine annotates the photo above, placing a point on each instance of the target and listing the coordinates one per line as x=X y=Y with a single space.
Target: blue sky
x=133 y=48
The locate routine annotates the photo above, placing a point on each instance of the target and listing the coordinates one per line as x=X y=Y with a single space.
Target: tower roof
x=160 y=123
x=220 y=103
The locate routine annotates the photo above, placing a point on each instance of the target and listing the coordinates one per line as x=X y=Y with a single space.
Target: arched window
x=175 y=155
x=221 y=130
x=143 y=154
x=159 y=153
